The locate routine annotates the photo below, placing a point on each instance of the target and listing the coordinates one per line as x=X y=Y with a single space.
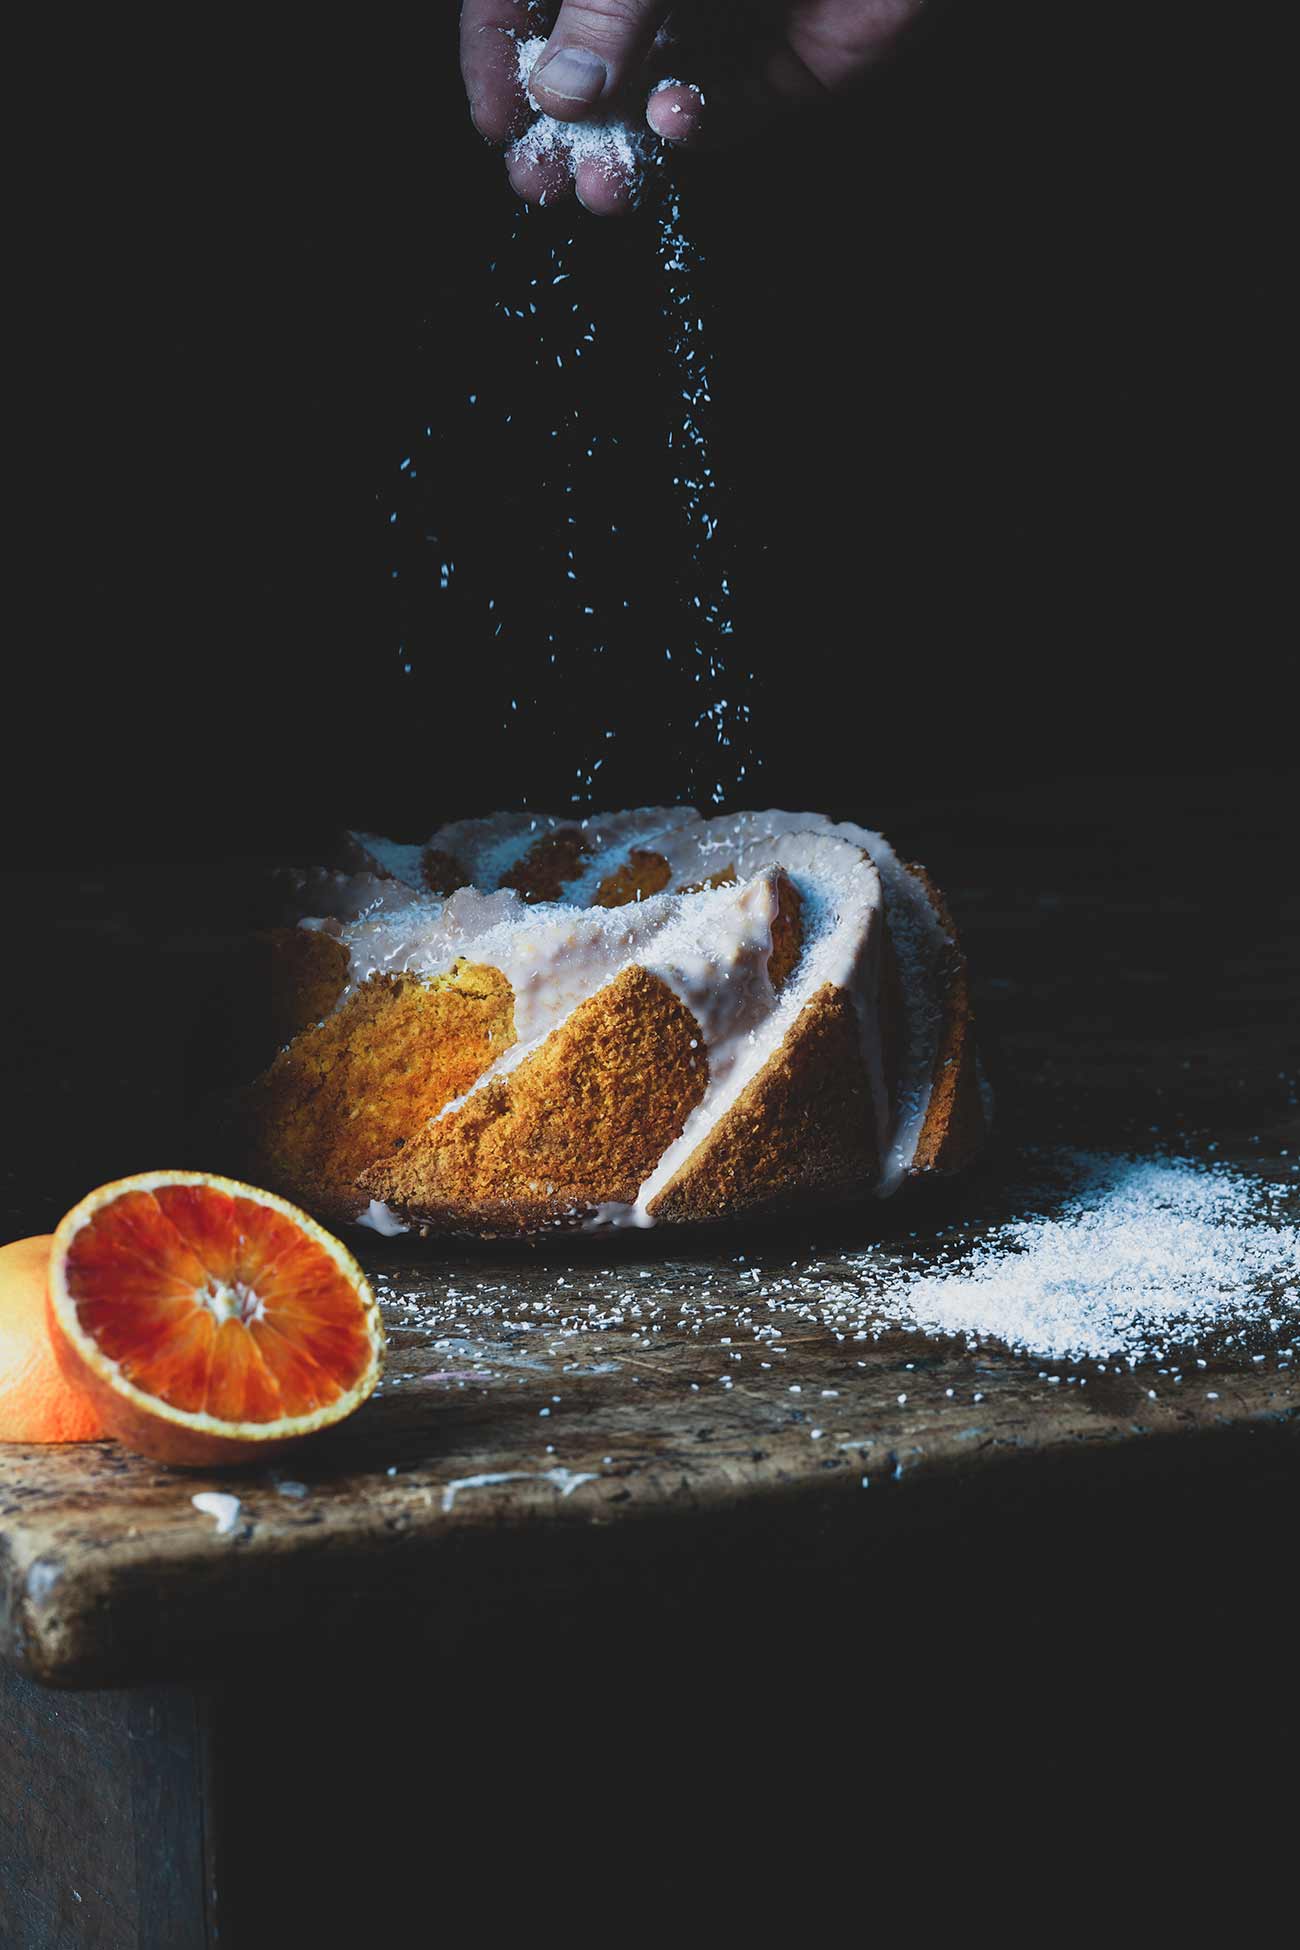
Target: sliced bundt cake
x=641 y=1018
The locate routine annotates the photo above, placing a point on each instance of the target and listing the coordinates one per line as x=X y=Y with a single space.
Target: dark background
x=1000 y=376
x=998 y=370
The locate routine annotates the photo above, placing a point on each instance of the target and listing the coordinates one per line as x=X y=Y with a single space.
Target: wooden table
x=633 y=1468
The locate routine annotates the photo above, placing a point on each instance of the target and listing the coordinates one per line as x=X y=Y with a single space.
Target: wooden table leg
x=105 y=1819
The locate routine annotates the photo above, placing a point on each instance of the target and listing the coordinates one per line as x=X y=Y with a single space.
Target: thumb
x=593 y=51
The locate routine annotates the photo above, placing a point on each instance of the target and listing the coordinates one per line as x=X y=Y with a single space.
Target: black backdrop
x=999 y=366
x=997 y=361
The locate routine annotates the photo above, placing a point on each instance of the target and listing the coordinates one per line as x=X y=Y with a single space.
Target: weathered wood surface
x=585 y=1410
x=105 y=1819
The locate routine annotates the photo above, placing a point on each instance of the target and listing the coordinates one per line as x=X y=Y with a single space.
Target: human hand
x=609 y=58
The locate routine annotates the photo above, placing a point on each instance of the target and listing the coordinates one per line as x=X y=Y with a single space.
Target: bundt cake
x=640 y=1018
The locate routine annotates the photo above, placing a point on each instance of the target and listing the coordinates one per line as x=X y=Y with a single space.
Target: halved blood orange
x=208 y=1321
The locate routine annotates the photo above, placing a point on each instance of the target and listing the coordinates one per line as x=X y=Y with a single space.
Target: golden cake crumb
x=581 y=1121
x=357 y=1086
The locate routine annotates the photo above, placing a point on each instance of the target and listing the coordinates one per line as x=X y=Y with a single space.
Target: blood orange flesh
x=209 y=1320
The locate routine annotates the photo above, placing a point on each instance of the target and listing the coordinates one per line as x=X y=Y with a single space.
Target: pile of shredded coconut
x=1131 y=1262
x=612 y=141
x=1142 y=1256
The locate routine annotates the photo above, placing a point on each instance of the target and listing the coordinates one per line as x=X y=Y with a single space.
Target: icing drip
x=381 y=1219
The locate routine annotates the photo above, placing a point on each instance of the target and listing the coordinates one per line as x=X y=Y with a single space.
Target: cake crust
x=308 y=973
x=953 y=1131
x=550 y=863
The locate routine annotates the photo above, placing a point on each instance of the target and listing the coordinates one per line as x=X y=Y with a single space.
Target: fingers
x=837 y=58
x=732 y=103
x=597 y=51
x=490 y=33
x=677 y=112
x=602 y=187
x=595 y=48
x=489 y=62
x=605 y=192
x=820 y=51
x=538 y=178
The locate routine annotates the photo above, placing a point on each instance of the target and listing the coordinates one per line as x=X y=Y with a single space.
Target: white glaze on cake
x=841 y=908
x=711 y=947
x=328 y=901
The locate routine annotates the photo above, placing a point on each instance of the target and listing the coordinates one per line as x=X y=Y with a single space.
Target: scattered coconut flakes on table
x=1124 y=1261
x=215 y=1503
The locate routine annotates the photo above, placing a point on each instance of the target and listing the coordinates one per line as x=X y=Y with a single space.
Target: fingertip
x=537 y=179
x=675 y=111
x=568 y=82
x=498 y=119
x=602 y=190
x=490 y=67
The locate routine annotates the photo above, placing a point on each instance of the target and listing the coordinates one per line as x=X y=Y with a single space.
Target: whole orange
x=37 y=1402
